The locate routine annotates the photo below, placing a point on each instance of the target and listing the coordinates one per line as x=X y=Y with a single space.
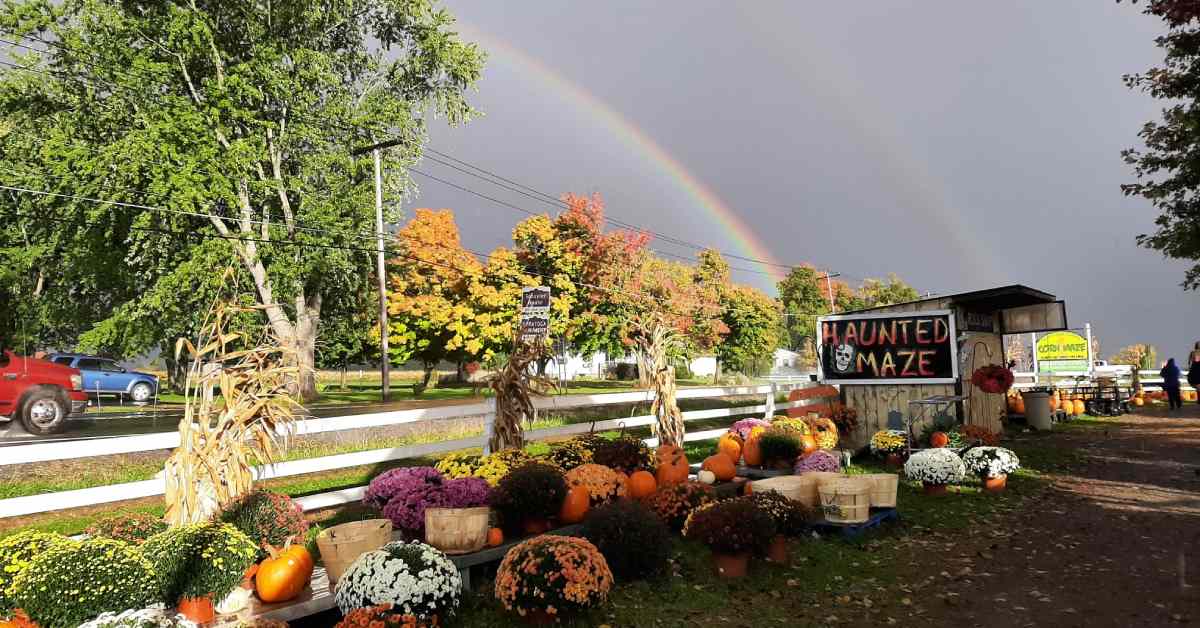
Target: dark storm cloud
x=958 y=144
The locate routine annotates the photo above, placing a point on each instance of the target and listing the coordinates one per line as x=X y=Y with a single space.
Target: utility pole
x=829 y=288
x=380 y=262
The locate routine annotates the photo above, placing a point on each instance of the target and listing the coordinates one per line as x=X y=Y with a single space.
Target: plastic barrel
x=1037 y=409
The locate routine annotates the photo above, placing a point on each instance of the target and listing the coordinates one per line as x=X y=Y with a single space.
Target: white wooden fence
x=62 y=500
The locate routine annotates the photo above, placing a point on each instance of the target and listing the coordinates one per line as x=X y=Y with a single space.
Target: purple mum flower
x=742 y=428
x=819 y=460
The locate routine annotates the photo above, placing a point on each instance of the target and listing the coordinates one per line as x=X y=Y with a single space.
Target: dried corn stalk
x=515 y=389
x=657 y=342
x=239 y=412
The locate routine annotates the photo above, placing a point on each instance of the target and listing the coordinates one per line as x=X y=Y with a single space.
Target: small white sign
x=535 y=313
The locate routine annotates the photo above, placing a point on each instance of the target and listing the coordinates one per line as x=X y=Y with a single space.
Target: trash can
x=1037 y=409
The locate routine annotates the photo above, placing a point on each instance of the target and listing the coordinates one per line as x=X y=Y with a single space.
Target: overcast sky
x=961 y=145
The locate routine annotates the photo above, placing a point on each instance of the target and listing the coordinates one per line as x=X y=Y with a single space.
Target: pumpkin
x=283 y=575
x=752 y=454
x=748 y=489
x=495 y=537
x=672 y=465
x=808 y=444
x=1068 y=407
x=1137 y=401
x=721 y=467
x=1054 y=402
x=575 y=505
x=939 y=439
x=706 y=477
x=642 y=484
x=1079 y=407
x=731 y=445
x=1019 y=405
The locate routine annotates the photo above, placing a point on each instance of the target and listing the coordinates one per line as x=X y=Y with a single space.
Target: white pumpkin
x=706 y=477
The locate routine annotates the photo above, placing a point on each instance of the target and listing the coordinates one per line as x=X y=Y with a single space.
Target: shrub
x=845 y=418
x=990 y=462
x=70 y=583
x=634 y=541
x=493 y=468
x=625 y=453
x=602 y=483
x=555 y=574
x=267 y=518
x=674 y=503
x=16 y=553
x=534 y=491
x=779 y=446
x=568 y=455
x=199 y=559
x=791 y=517
x=935 y=466
x=459 y=465
x=382 y=616
x=819 y=460
x=732 y=526
x=131 y=528
x=402 y=494
x=414 y=578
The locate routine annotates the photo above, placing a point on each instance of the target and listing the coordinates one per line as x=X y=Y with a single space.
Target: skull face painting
x=843 y=358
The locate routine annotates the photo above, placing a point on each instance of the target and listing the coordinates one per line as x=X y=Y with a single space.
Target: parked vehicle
x=103 y=376
x=39 y=393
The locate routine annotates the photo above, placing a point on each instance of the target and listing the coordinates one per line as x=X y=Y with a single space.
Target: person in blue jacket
x=1170 y=376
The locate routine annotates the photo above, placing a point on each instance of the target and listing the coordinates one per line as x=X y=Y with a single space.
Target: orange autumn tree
x=430 y=314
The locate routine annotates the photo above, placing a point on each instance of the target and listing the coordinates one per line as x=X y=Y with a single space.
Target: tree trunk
x=342 y=385
x=176 y=371
x=420 y=387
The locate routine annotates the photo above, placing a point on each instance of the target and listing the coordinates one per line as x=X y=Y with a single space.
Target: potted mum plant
x=934 y=469
x=779 y=448
x=891 y=445
x=415 y=578
x=674 y=503
x=820 y=460
x=199 y=565
x=269 y=519
x=791 y=520
x=403 y=494
x=528 y=497
x=992 y=465
x=602 y=483
x=549 y=576
x=733 y=530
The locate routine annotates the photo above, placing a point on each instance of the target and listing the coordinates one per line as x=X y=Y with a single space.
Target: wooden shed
x=885 y=357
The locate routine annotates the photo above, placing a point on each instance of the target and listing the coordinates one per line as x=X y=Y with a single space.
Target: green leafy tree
x=753 y=322
x=876 y=292
x=235 y=119
x=1166 y=167
x=803 y=296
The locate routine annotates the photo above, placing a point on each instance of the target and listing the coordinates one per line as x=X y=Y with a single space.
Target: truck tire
x=44 y=412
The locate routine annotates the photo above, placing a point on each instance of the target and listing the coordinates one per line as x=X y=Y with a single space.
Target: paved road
x=107 y=425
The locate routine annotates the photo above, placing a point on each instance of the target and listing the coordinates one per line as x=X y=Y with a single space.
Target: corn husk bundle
x=239 y=411
x=515 y=389
x=657 y=343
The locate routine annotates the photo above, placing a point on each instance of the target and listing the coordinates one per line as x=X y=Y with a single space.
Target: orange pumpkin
x=1079 y=407
x=1055 y=402
x=721 y=467
x=283 y=575
x=672 y=465
x=642 y=484
x=575 y=505
x=731 y=445
x=939 y=439
x=748 y=488
x=752 y=454
x=495 y=537
x=808 y=444
x=1137 y=401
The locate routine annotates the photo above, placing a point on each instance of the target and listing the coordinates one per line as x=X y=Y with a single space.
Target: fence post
x=489 y=425
x=771 y=402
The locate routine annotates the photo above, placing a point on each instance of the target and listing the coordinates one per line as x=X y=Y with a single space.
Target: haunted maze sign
x=916 y=348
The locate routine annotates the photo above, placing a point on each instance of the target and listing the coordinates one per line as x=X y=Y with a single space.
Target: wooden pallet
x=854 y=530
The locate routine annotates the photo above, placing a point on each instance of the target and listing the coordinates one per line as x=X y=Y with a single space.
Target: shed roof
x=992 y=299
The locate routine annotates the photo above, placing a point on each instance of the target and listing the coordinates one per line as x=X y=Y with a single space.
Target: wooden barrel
x=824 y=476
x=883 y=489
x=798 y=487
x=457 y=530
x=342 y=544
x=846 y=500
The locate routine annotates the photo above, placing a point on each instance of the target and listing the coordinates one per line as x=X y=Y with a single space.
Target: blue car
x=102 y=376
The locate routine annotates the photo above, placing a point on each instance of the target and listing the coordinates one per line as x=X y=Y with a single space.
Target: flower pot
x=731 y=565
x=894 y=461
x=535 y=526
x=197 y=609
x=935 y=490
x=996 y=484
x=777 y=551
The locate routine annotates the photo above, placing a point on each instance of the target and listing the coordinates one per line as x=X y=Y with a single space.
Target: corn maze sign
x=909 y=348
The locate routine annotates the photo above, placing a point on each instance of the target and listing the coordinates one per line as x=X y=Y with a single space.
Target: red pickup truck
x=39 y=393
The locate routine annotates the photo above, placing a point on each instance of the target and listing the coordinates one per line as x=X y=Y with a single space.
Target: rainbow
x=746 y=241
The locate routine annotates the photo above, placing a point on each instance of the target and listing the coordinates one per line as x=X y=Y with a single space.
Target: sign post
x=908 y=348
x=535 y=314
